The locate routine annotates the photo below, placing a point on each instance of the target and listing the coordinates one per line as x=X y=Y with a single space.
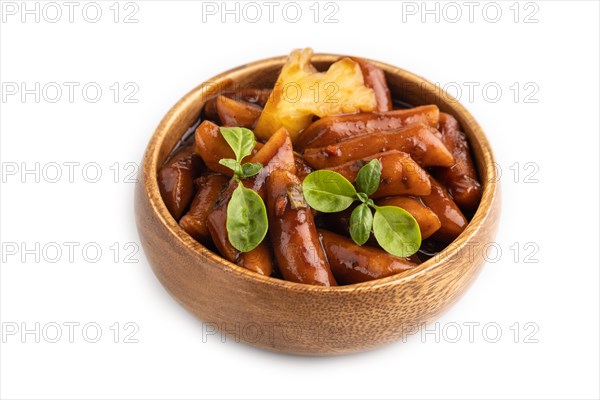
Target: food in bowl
x=322 y=179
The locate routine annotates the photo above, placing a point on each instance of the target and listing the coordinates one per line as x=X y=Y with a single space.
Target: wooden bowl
x=295 y=318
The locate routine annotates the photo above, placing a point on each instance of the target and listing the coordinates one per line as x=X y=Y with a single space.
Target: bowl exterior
x=301 y=319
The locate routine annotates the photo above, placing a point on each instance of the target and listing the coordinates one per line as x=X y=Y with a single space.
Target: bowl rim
x=151 y=190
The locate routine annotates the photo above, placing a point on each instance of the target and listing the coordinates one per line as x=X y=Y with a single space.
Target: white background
x=550 y=208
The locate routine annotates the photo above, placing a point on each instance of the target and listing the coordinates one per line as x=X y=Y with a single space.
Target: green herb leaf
x=396 y=231
x=241 y=141
x=250 y=169
x=247 y=222
x=328 y=191
x=361 y=222
x=368 y=177
x=295 y=196
x=362 y=197
x=231 y=164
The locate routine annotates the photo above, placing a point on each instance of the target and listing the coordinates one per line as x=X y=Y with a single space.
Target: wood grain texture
x=293 y=318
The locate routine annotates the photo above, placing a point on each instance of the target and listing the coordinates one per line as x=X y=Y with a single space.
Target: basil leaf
x=231 y=164
x=396 y=231
x=241 y=141
x=368 y=177
x=247 y=222
x=362 y=197
x=361 y=222
x=250 y=169
x=328 y=191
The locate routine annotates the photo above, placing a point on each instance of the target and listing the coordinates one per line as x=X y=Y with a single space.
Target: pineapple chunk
x=302 y=92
